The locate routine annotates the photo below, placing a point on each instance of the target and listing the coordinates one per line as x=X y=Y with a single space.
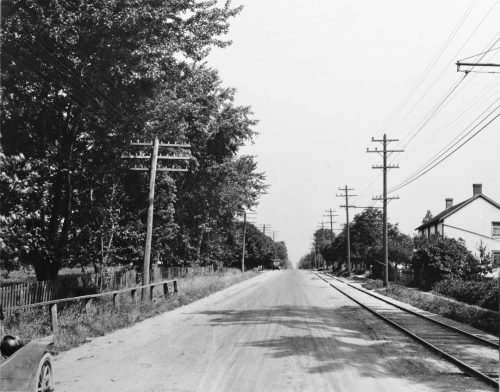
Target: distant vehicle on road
x=276 y=265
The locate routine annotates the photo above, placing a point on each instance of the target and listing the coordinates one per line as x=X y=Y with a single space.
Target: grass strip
x=76 y=326
x=471 y=315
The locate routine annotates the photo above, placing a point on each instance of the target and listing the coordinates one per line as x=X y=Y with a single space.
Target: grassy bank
x=76 y=326
x=464 y=313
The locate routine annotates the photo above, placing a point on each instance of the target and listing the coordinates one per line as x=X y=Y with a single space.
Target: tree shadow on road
x=343 y=338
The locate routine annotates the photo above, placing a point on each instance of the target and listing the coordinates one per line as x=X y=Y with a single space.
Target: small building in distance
x=475 y=220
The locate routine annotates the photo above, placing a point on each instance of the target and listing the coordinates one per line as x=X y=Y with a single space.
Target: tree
x=307 y=261
x=427 y=217
x=476 y=268
x=78 y=78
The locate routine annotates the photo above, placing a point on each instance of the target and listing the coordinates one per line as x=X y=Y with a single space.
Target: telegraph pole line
x=384 y=198
x=155 y=144
x=346 y=195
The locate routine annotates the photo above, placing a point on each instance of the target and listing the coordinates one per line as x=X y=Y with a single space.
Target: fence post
x=88 y=306
x=151 y=292
x=116 y=300
x=53 y=318
x=175 y=286
x=165 y=289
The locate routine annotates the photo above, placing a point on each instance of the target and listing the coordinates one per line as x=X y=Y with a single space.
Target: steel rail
x=437 y=350
x=468 y=334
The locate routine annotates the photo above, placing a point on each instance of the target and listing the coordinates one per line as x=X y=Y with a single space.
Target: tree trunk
x=45 y=268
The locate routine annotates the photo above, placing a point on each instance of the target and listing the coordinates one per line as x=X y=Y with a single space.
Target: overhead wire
x=416 y=130
x=475 y=55
x=422 y=170
x=438 y=107
x=430 y=65
x=427 y=70
x=484 y=95
x=447 y=156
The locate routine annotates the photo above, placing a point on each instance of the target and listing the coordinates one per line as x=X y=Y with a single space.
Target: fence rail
x=52 y=304
x=23 y=294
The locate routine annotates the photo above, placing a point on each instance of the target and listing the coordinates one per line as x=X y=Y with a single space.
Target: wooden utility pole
x=151 y=199
x=323 y=241
x=244 y=239
x=152 y=178
x=346 y=195
x=384 y=198
x=245 y=220
x=264 y=226
x=330 y=214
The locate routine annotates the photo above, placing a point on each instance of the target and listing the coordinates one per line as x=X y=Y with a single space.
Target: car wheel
x=45 y=374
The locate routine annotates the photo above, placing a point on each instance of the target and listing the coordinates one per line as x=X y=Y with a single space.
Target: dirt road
x=280 y=331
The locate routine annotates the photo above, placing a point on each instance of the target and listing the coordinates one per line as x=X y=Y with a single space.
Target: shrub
x=440 y=258
x=482 y=293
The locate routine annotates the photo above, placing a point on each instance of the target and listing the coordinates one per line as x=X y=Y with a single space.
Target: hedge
x=482 y=293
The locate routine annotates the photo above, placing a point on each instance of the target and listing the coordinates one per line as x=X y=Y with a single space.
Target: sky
x=323 y=77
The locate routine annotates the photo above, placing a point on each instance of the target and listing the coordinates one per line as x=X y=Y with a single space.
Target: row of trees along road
x=79 y=81
x=366 y=244
x=433 y=259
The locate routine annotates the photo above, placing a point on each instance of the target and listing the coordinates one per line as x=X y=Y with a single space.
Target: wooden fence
x=404 y=277
x=88 y=284
x=147 y=294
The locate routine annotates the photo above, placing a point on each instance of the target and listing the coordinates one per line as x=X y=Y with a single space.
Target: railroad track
x=471 y=353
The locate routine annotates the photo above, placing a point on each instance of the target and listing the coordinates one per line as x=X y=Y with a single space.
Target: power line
x=431 y=64
x=447 y=156
x=455 y=141
x=475 y=55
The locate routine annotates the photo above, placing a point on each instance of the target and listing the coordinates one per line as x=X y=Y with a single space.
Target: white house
x=474 y=220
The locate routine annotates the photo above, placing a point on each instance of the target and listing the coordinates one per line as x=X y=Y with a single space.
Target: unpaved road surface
x=280 y=331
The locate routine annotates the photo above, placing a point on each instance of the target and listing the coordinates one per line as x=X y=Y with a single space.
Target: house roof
x=449 y=211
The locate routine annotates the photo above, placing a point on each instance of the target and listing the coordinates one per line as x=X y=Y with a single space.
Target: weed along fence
x=30 y=293
x=146 y=290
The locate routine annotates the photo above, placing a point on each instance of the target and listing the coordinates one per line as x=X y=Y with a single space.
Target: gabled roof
x=446 y=213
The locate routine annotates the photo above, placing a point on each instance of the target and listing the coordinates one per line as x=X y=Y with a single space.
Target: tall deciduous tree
x=76 y=79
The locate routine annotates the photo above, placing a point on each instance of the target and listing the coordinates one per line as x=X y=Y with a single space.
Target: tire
x=44 y=378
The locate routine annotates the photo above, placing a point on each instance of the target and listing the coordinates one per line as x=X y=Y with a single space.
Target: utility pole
x=346 y=195
x=330 y=214
x=323 y=241
x=384 y=198
x=274 y=234
x=244 y=234
x=320 y=256
x=264 y=226
x=152 y=178
x=244 y=239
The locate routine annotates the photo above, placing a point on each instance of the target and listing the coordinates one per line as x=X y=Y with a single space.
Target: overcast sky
x=325 y=76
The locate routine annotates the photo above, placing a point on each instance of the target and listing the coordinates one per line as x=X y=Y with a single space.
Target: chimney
x=449 y=202
x=477 y=189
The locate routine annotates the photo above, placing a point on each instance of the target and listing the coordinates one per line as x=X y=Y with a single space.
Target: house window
x=495 y=230
x=496 y=258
